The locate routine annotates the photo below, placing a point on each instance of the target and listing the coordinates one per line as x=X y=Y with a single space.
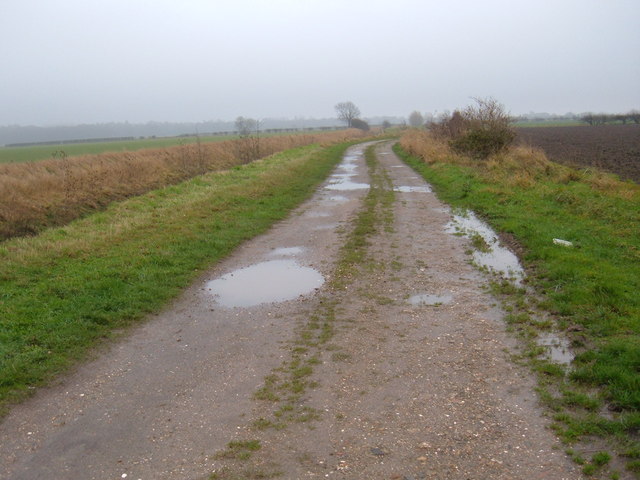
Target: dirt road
x=401 y=372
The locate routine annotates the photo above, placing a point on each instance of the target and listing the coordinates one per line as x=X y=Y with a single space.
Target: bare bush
x=479 y=130
x=360 y=124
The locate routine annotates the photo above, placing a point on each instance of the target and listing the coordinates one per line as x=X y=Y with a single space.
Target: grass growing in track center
x=66 y=289
x=590 y=289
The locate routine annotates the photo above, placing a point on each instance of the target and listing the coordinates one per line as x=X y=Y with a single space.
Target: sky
x=65 y=62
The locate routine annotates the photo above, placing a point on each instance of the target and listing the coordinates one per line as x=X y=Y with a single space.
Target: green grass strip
x=65 y=290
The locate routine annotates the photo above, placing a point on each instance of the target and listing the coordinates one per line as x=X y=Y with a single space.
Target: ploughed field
x=613 y=148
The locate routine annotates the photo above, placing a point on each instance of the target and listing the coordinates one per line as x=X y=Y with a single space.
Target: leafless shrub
x=479 y=130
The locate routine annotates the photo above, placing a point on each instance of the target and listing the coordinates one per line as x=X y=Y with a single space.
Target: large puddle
x=266 y=282
x=496 y=258
x=342 y=180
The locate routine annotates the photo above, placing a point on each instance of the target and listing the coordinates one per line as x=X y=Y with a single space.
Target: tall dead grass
x=518 y=166
x=53 y=192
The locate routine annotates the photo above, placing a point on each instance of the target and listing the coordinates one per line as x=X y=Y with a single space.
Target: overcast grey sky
x=85 y=61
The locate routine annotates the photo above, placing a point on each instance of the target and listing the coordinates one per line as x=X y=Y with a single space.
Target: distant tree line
x=417 y=119
x=70 y=142
x=603 y=118
x=184 y=135
x=31 y=134
x=12 y=134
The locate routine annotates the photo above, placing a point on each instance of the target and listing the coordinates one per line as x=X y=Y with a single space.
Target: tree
x=245 y=126
x=416 y=119
x=347 y=112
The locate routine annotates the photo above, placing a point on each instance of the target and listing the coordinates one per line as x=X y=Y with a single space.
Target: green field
x=42 y=152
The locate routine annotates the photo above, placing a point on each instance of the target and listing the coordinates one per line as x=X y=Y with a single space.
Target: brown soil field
x=613 y=148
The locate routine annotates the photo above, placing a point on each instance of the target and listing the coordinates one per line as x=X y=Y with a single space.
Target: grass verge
x=67 y=289
x=589 y=290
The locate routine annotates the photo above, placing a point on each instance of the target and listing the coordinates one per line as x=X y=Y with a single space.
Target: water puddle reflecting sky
x=558 y=348
x=343 y=185
x=338 y=199
x=498 y=259
x=266 y=282
x=342 y=179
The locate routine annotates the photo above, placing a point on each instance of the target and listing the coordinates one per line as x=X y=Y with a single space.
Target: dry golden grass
x=519 y=166
x=421 y=143
x=56 y=191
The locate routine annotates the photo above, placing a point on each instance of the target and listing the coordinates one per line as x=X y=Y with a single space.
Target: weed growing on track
x=67 y=289
x=590 y=290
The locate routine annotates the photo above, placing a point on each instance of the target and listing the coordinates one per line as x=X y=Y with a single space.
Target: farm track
x=395 y=391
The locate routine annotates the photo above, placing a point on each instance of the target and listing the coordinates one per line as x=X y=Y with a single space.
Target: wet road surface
x=160 y=403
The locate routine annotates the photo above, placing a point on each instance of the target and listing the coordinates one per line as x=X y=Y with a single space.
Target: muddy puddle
x=266 y=282
x=495 y=257
x=557 y=348
x=429 y=299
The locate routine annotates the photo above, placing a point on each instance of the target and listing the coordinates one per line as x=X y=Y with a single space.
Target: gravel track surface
x=403 y=391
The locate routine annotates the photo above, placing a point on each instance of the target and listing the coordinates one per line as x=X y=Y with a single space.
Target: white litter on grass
x=564 y=243
x=410 y=189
